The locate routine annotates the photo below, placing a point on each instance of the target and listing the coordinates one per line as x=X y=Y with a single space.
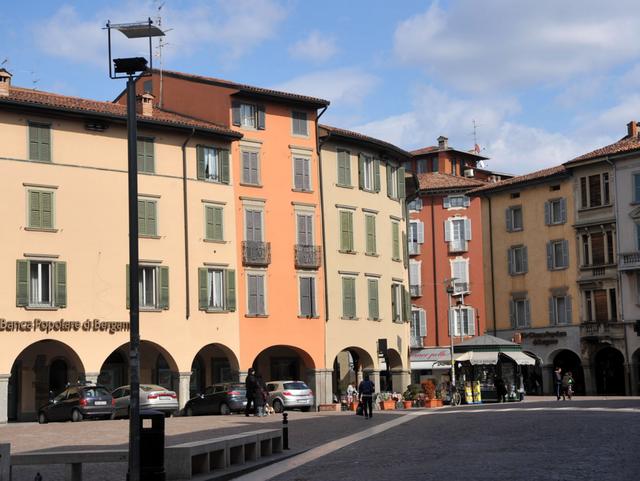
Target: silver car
x=151 y=397
x=290 y=395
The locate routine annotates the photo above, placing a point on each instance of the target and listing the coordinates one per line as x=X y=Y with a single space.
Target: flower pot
x=353 y=406
x=433 y=403
x=387 y=405
x=407 y=404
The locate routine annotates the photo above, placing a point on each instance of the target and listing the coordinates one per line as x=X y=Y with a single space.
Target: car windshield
x=295 y=385
x=96 y=392
x=151 y=387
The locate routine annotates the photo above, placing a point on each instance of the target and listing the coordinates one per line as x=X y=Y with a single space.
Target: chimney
x=144 y=104
x=632 y=129
x=5 y=82
x=443 y=143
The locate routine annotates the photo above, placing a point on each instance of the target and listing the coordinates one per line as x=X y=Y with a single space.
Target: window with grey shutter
x=146 y=161
x=301 y=174
x=517 y=260
x=305 y=229
x=214 y=223
x=255 y=299
x=39 y=142
x=147 y=218
x=299 y=123
x=250 y=167
x=40 y=209
x=348 y=297
x=372 y=292
x=253 y=225
x=514 y=218
x=370 y=232
x=346 y=231
x=307 y=296
x=344 y=168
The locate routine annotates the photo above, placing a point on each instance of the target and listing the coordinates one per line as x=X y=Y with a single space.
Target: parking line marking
x=314 y=453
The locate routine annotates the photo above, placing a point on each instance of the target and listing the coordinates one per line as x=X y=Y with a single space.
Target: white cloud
x=343 y=87
x=231 y=28
x=481 y=46
x=316 y=47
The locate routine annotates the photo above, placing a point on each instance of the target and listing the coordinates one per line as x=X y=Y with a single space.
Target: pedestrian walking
x=557 y=379
x=501 y=389
x=350 y=393
x=251 y=385
x=260 y=398
x=567 y=385
x=366 y=389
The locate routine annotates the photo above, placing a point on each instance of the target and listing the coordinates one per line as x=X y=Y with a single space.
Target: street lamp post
x=450 y=290
x=128 y=68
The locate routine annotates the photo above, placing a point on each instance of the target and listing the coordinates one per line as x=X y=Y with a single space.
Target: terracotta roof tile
x=626 y=144
x=358 y=136
x=425 y=150
x=66 y=103
x=249 y=88
x=433 y=181
x=521 y=179
x=432 y=149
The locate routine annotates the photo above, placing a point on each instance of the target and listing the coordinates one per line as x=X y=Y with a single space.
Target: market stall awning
x=479 y=357
x=520 y=358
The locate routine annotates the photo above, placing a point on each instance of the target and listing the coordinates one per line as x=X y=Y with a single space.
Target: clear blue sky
x=544 y=81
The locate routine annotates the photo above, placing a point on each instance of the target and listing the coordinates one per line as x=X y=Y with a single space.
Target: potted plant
x=430 y=390
x=407 y=400
x=387 y=403
x=412 y=395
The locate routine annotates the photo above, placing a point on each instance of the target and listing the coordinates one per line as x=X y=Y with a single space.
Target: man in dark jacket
x=251 y=384
x=557 y=379
x=365 y=391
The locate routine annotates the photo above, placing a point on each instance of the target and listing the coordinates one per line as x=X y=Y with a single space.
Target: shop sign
x=63 y=325
x=545 y=338
x=430 y=354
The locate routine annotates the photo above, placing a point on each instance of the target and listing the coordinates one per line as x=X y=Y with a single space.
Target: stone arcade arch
x=157 y=366
x=212 y=364
x=608 y=364
x=635 y=373
x=42 y=367
x=568 y=360
x=393 y=378
x=349 y=366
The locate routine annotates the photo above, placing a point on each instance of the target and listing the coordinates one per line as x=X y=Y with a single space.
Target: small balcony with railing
x=629 y=261
x=460 y=288
x=597 y=271
x=416 y=341
x=256 y=253
x=307 y=257
x=414 y=248
x=415 y=290
x=602 y=331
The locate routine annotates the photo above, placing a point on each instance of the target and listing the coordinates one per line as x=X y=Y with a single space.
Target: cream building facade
x=63 y=311
x=365 y=223
x=530 y=266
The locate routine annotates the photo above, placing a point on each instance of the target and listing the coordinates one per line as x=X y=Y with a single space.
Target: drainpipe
x=619 y=277
x=493 y=279
x=324 y=238
x=186 y=219
x=435 y=279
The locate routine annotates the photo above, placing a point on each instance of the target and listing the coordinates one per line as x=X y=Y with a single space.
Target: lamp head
x=130 y=66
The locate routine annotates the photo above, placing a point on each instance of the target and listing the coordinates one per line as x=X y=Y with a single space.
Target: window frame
x=462 y=325
x=345 y=159
x=368 y=174
x=262 y=276
x=29 y=209
x=146 y=141
x=250 y=152
x=213 y=208
x=513 y=250
x=305 y=174
x=145 y=232
x=348 y=249
x=526 y=322
x=40 y=125
x=312 y=296
x=32 y=303
x=511 y=223
x=299 y=121
x=344 y=280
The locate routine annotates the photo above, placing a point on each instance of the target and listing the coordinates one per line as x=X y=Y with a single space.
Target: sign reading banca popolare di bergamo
x=62 y=325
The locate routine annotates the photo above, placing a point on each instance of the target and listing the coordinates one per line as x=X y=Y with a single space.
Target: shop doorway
x=284 y=363
x=392 y=364
x=214 y=363
x=42 y=368
x=635 y=387
x=156 y=367
x=609 y=370
x=532 y=376
x=569 y=361
x=348 y=368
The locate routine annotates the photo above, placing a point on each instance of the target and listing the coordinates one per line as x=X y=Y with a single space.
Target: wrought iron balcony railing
x=308 y=257
x=256 y=253
x=460 y=288
x=629 y=261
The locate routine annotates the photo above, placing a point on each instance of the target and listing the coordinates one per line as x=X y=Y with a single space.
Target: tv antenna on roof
x=161 y=45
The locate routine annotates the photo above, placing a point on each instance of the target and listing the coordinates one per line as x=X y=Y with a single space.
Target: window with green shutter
x=395 y=241
x=147 y=218
x=146 y=159
x=370 y=229
x=214 y=223
x=372 y=291
x=344 y=168
x=40 y=209
x=41 y=284
x=348 y=297
x=346 y=231
x=153 y=287
x=39 y=142
x=216 y=289
x=213 y=164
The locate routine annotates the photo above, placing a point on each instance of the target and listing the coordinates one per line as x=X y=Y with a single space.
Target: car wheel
x=277 y=406
x=76 y=416
x=225 y=409
x=188 y=412
x=42 y=418
x=305 y=409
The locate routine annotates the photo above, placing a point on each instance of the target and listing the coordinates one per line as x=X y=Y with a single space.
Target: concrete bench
x=184 y=461
x=72 y=459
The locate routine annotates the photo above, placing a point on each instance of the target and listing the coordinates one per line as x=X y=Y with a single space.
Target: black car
x=223 y=398
x=77 y=403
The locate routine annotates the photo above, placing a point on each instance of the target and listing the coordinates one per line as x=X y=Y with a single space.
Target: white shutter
x=422 y=330
x=448 y=230
x=471 y=315
x=467 y=229
x=420 y=232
